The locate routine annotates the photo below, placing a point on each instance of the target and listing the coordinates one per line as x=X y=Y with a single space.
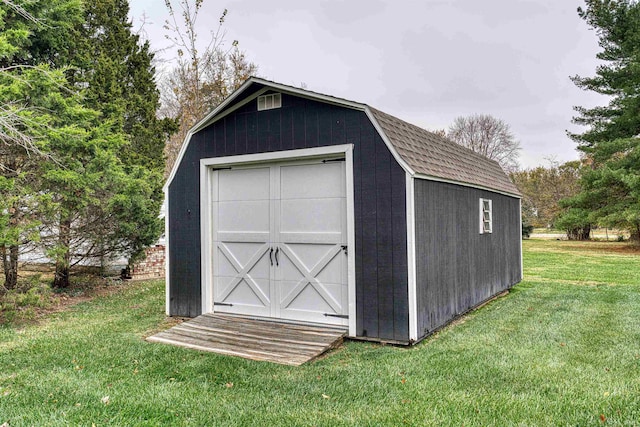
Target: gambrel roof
x=421 y=153
x=437 y=157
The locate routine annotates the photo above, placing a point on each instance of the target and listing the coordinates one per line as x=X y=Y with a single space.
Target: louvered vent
x=268 y=102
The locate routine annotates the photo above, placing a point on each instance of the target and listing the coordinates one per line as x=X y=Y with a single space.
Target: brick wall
x=152 y=267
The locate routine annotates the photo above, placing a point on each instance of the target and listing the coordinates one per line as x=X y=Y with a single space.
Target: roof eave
x=467 y=184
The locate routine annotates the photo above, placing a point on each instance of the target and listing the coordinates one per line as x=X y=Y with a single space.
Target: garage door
x=279 y=241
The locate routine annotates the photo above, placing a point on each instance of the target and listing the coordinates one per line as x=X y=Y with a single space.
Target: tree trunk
x=634 y=236
x=581 y=233
x=585 y=233
x=10 y=266
x=63 y=261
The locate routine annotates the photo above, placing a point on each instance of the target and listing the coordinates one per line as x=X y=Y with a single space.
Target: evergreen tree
x=116 y=69
x=30 y=32
x=101 y=135
x=611 y=190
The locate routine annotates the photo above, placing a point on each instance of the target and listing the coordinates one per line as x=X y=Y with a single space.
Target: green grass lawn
x=563 y=348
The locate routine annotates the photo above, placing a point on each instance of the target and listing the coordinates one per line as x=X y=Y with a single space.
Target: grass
x=563 y=348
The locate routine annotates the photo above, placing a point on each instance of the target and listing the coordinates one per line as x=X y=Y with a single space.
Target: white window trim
x=270 y=101
x=481 y=211
x=206 y=225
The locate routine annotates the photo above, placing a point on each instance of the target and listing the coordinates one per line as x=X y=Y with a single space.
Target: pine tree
x=611 y=189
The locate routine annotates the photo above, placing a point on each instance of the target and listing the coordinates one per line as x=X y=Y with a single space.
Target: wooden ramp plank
x=253 y=338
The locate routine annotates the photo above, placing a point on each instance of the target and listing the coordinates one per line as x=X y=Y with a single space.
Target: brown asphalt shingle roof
x=435 y=156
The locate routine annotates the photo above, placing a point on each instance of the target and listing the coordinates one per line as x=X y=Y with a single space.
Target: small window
x=268 y=102
x=486 y=216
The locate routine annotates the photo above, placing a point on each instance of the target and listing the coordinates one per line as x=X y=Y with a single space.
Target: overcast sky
x=424 y=61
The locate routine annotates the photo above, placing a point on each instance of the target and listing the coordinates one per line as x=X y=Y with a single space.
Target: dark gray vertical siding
x=456 y=266
x=380 y=199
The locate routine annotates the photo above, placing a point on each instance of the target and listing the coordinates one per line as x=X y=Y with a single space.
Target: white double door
x=279 y=241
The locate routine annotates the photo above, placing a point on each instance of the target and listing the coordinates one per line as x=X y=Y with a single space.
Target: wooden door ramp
x=253 y=338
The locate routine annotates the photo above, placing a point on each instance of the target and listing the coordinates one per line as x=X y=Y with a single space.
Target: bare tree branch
x=21 y=11
x=488 y=136
x=199 y=80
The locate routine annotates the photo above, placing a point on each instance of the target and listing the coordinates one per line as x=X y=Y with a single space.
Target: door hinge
x=344 y=248
x=223 y=303
x=334 y=160
x=342 y=316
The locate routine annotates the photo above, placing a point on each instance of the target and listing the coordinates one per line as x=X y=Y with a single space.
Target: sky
x=424 y=61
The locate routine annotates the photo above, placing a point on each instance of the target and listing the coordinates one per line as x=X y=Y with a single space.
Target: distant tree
x=576 y=222
x=440 y=132
x=489 y=136
x=543 y=188
x=611 y=190
x=201 y=78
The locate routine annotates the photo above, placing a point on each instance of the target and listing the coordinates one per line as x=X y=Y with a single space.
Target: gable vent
x=268 y=102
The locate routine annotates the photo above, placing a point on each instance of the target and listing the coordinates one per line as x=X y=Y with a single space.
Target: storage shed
x=289 y=204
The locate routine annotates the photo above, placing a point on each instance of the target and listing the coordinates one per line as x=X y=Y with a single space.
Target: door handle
x=270 y=256
x=277 y=250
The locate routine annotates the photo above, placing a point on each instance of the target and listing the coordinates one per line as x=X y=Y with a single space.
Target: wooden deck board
x=252 y=338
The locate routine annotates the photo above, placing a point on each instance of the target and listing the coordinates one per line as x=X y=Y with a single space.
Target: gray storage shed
x=289 y=204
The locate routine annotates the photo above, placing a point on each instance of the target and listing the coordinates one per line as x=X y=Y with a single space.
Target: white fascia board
x=309 y=94
x=465 y=184
x=349 y=104
x=201 y=124
x=216 y=115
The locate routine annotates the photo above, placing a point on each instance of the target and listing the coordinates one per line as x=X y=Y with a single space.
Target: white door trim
x=207 y=166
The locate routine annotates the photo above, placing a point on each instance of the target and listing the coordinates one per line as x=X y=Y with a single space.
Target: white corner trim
x=520 y=232
x=167 y=283
x=411 y=257
x=387 y=142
